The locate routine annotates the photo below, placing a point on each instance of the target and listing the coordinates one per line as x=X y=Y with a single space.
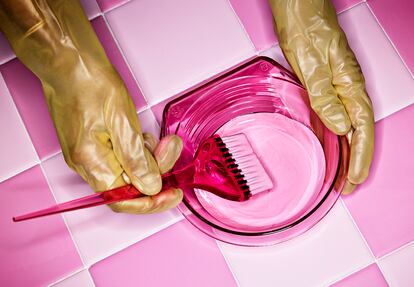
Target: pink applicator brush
x=226 y=166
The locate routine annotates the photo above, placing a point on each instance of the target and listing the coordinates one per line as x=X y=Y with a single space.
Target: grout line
x=125 y=58
x=352 y=6
x=396 y=250
x=389 y=40
x=115 y=6
x=50 y=156
x=227 y=262
x=66 y=277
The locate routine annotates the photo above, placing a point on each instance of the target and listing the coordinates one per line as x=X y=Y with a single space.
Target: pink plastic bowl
x=306 y=162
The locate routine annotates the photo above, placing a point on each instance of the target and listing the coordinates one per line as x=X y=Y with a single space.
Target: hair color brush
x=226 y=166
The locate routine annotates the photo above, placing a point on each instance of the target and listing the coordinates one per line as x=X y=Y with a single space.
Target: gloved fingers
x=167 y=152
x=160 y=202
x=348 y=188
x=150 y=142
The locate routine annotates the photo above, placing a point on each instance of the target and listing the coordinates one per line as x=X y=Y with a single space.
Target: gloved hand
x=317 y=50
x=93 y=113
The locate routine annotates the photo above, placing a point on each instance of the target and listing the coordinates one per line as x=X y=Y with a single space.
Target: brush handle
x=180 y=178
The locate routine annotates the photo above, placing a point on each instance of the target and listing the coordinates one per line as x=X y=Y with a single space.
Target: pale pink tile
x=6 y=53
x=16 y=149
x=110 y=4
x=383 y=206
x=179 y=45
x=276 y=54
x=389 y=83
x=341 y=5
x=149 y=123
x=99 y=232
x=398 y=267
x=91 y=8
x=115 y=56
x=369 y=276
x=396 y=17
x=36 y=252
x=27 y=93
x=327 y=252
x=257 y=18
x=177 y=256
x=80 y=279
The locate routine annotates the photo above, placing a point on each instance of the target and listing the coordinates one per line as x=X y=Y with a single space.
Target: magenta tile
x=177 y=256
x=115 y=56
x=257 y=19
x=383 y=206
x=16 y=150
x=341 y=5
x=36 y=252
x=107 y=5
x=398 y=267
x=396 y=17
x=6 y=53
x=389 y=83
x=369 y=276
x=27 y=94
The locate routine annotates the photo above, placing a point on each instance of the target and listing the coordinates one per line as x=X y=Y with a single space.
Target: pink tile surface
x=326 y=253
x=149 y=123
x=398 y=267
x=117 y=60
x=16 y=149
x=178 y=46
x=80 y=279
x=37 y=252
x=99 y=232
x=27 y=93
x=257 y=19
x=110 y=4
x=383 y=206
x=341 y=5
x=91 y=8
x=389 y=84
x=396 y=17
x=369 y=276
x=177 y=256
x=6 y=52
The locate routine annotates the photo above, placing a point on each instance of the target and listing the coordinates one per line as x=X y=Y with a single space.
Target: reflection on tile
x=36 y=252
x=257 y=18
x=149 y=123
x=398 y=267
x=389 y=84
x=91 y=8
x=341 y=5
x=177 y=256
x=369 y=276
x=110 y=4
x=80 y=279
x=99 y=232
x=396 y=17
x=16 y=149
x=332 y=249
x=174 y=48
x=117 y=60
x=383 y=206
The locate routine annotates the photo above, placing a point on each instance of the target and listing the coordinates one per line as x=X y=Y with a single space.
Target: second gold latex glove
x=317 y=50
x=92 y=111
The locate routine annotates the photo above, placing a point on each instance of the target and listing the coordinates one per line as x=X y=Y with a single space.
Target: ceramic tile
x=276 y=54
x=177 y=256
x=80 y=279
x=398 y=267
x=327 y=252
x=36 y=252
x=117 y=60
x=16 y=149
x=149 y=123
x=173 y=48
x=397 y=20
x=257 y=18
x=107 y=5
x=91 y=8
x=6 y=53
x=341 y=5
x=369 y=276
x=389 y=84
x=383 y=206
x=99 y=232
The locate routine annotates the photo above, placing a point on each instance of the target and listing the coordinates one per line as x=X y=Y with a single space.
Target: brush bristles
x=244 y=161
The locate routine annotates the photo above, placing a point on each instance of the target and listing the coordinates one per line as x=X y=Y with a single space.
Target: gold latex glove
x=317 y=50
x=92 y=111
